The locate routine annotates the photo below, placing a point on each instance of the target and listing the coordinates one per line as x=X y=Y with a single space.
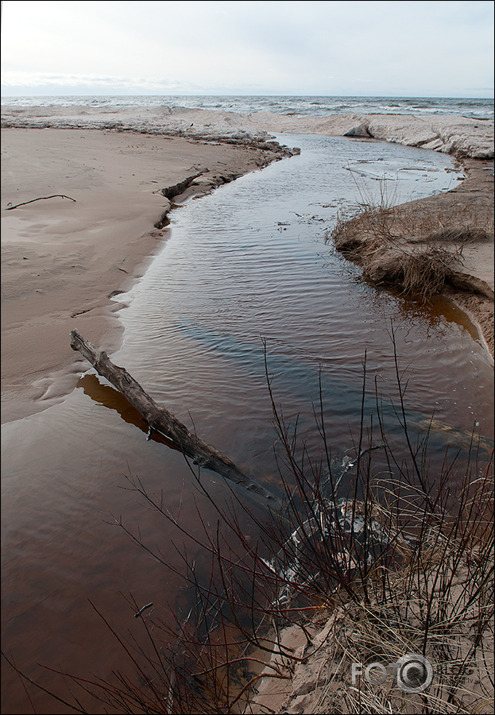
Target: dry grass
x=438 y=603
x=421 y=271
x=413 y=247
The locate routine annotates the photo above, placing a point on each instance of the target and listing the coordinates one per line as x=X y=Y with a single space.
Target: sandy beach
x=66 y=257
x=63 y=259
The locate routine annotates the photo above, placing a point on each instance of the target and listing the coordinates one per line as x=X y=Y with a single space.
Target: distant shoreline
x=454 y=134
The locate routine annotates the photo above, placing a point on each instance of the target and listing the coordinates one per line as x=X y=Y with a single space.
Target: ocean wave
x=286 y=105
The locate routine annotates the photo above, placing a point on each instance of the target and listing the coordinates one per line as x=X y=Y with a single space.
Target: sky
x=394 y=49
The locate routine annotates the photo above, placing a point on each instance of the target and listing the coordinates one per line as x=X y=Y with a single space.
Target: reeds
x=372 y=558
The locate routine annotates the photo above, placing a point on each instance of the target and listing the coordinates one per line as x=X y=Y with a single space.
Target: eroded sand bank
x=438 y=245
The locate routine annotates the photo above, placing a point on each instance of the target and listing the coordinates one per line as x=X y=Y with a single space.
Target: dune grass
x=417 y=251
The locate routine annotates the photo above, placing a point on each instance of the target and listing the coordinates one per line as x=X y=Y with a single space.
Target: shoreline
x=455 y=229
x=58 y=275
x=64 y=262
x=457 y=135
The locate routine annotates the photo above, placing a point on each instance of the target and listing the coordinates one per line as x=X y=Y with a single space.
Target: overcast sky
x=402 y=49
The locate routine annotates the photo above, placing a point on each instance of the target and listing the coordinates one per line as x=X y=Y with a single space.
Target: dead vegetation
x=436 y=604
x=421 y=272
x=414 y=251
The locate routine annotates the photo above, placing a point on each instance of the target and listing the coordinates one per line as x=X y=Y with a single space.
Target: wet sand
x=63 y=259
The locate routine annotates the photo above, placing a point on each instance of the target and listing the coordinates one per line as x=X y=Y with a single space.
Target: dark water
x=247 y=263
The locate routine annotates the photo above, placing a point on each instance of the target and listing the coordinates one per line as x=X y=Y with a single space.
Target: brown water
x=245 y=263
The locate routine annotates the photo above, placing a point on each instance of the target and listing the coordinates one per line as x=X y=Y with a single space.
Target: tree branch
x=164 y=422
x=40 y=198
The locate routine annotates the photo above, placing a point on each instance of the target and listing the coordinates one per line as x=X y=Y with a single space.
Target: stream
x=245 y=266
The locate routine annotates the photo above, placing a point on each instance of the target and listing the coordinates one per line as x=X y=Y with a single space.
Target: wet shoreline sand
x=63 y=260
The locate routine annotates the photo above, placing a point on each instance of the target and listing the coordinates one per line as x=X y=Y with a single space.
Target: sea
x=287 y=105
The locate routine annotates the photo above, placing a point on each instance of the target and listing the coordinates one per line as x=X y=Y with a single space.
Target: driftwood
x=163 y=422
x=40 y=198
x=170 y=192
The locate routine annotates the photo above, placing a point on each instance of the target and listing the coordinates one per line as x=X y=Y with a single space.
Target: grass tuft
x=416 y=249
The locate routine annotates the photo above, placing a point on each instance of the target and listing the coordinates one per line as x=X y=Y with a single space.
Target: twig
x=144 y=608
x=40 y=198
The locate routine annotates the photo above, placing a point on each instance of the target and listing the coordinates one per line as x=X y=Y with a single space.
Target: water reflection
x=435 y=314
x=110 y=397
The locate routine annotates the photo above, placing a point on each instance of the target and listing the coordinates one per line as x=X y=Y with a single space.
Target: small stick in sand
x=40 y=198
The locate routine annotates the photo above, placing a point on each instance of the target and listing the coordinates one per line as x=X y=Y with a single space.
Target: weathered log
x=170 y=192
x=164 y=422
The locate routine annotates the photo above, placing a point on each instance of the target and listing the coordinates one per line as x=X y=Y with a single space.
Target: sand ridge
x=452 y=134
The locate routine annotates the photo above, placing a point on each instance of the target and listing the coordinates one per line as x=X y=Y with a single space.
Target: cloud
x=434 y=48
x=84 y=82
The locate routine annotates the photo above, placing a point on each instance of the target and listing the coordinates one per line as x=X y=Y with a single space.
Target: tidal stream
x=244 y=266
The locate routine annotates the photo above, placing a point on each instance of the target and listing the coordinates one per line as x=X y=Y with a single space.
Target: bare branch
x=164 y=422
x=40 y=198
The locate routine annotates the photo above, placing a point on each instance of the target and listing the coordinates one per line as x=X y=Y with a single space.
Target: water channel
x=245 y=264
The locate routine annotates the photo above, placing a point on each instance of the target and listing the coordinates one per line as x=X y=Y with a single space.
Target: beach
x=66 y=258
x=450 y=133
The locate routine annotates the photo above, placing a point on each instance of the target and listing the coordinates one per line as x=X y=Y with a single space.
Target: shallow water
x=247 y=263
x=251 y=262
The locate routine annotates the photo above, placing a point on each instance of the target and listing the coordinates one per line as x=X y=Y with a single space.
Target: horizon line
x=224 y=94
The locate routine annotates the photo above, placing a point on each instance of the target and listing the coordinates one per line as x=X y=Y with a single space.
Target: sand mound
x=460 y=136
